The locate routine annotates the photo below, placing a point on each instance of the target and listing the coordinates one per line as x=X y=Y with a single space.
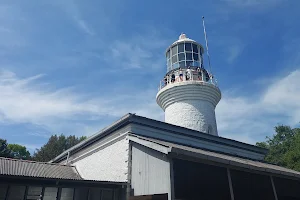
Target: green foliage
x=18 y=151
x=55 y=146
x=284 y=147
x=4 y=151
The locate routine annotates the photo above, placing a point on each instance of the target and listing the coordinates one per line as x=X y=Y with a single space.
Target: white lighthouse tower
x=188 y=93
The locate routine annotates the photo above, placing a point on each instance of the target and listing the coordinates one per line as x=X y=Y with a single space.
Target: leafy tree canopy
x=4 y=151
x=18 y=151
x=55 y=146
x=284 y=147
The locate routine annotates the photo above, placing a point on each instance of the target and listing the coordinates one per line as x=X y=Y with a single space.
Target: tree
x=284 y=147
x=4 y=151
x=18 y=151
x=55 y=146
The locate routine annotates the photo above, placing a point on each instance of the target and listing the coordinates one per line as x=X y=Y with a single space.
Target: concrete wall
x=109 y=163
x=150 y=171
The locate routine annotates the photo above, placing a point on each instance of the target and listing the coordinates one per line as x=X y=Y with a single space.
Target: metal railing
x=194 y=76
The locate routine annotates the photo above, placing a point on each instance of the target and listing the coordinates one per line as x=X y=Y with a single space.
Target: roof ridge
x=32 y=161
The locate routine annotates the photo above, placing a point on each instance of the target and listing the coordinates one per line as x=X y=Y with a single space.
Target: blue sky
x=74 y=67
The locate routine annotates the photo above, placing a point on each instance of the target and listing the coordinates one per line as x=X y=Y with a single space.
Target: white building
x=182 y=158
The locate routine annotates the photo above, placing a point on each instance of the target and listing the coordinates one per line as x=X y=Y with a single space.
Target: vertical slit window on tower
x=189 y=56
x=196 y=56
x=174 y=59
x=174 y=50
x=181 y=56
x=180 y=47
x=188 y=47
x=195 y=48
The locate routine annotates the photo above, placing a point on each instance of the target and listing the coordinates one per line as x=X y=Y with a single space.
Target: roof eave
x=117 y=124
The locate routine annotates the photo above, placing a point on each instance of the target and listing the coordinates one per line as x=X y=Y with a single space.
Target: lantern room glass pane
x=189 y=63
x=182 y=64
x=176 y=65
x=189 y=56
x=196 y=64
x=195 y=56
x=174 y=59
x=181 y=47
x=181 y=56
x=195 y=48
x=188 y=47
x=174 y=50
x=168 y=54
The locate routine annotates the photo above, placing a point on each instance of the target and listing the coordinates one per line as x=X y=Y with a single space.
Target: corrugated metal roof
x=225 y=159
x=13 y=167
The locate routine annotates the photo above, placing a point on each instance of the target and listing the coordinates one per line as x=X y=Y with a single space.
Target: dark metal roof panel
x=226 y=159
x=13 y=167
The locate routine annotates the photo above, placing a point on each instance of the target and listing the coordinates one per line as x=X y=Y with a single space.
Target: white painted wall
x=194 y=114
x=190 y=104
x=109 y=163
x=150 y=171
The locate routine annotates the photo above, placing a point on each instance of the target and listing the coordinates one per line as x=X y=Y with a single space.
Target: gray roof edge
x=36 y=162
x=133 y=118
x=200 y=135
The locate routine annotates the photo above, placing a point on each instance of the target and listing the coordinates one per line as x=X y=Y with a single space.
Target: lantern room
x=184 y=53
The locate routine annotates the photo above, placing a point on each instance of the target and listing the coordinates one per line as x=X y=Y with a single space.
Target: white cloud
x=284 y=96
x=139 y=51
x=234 y=51
x=26 y=100
x=248 y=119
x=72 y=10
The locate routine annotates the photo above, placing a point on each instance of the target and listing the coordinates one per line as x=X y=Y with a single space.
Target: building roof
x=24 y=168
x=229 y=160
x=162 y=126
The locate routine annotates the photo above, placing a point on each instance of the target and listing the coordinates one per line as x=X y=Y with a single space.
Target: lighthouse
x=188 y=93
